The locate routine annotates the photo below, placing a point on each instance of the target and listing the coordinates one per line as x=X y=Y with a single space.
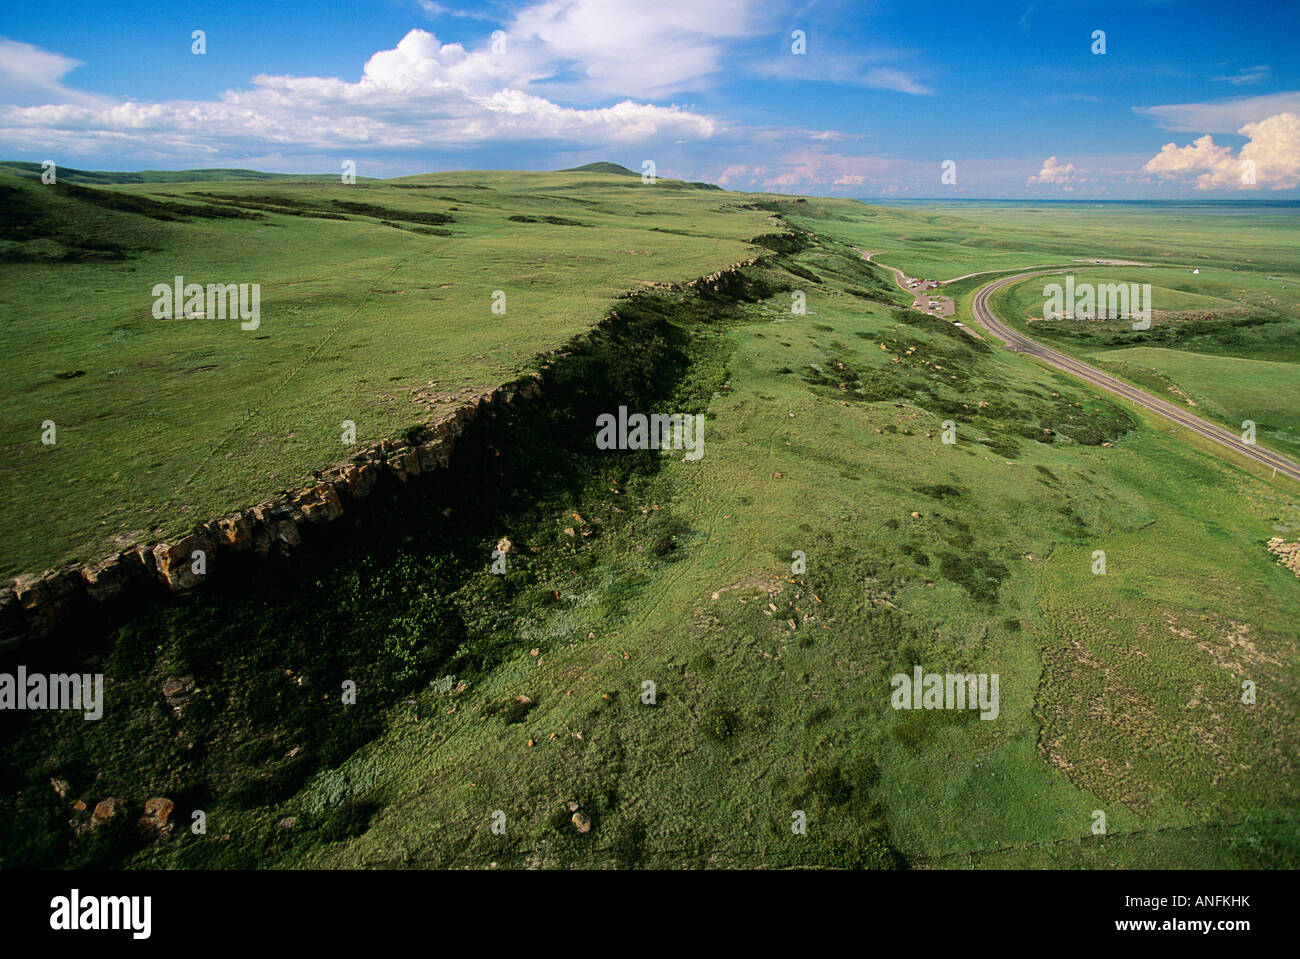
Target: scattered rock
x=106 y=810
x=1288 y=554
x=177 y=689
x=154 y=821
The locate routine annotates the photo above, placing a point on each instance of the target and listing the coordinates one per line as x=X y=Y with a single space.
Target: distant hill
x=602 y=167
x=71 y=222
x=67 y=174
x=606 y=167
x=102 y=177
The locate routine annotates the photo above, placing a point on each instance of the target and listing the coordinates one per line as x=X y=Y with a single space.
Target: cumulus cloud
x=1055 y=173
x=815 y=169
x=738 y=173
x=552 y=72
x=1270 y=158
x=420 y=93
x=632 y=48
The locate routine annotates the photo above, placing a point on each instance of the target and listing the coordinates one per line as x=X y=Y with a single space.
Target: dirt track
x=921 y=299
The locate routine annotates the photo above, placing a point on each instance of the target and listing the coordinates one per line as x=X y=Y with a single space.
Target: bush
x=718 y=723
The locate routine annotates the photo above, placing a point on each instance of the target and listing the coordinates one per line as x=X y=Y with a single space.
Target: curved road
x=1017 y=341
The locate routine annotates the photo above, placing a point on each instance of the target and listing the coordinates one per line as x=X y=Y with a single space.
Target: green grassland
x=1120 y=692
x=942 y=241
x=1223 y=343
x=65 y=174
x=376 y=307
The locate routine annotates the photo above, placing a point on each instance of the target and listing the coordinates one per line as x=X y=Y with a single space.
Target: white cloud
x=574 y=71
x=887 y=78
x=421 y=93
x=811 y=169
x=1247 y=76
x=629 y=47
x=1272 y=154
x=30 y=75
x=1055 y=173
x=1220 y=116
x=738 y=173
x=847 y=68
x=435 y=10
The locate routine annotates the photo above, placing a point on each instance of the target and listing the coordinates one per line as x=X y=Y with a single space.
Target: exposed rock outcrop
x=1288 y=554
x=34 y=606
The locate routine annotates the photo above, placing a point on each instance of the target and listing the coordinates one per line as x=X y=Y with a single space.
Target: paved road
x=1020 y=343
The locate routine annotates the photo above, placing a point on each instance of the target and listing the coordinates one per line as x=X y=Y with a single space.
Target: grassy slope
x=808 y=723
x=104 y=177
x=166 y=423
x=1243 y=305
x=1118 y=692
x=1225 y=343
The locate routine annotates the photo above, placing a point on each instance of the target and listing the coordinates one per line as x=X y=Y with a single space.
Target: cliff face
x=34 y=607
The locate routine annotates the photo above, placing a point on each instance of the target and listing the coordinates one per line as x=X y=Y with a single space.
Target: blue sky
x=1189 y=99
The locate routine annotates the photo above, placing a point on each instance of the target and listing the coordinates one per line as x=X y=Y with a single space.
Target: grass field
x=1243 y=304
x=374 y=310
x=942 y=241
x=1120 y=693
x=1226 y=344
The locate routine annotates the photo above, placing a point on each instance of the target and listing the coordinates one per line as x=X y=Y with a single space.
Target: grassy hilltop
x=522 y=692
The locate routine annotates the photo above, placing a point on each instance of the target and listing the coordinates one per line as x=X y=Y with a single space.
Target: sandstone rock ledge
x=34 y=606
